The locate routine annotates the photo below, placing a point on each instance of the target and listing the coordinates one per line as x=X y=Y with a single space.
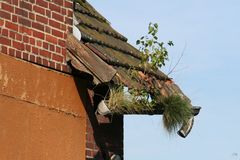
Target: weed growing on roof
x=118 y=101
x=176 y=112
x=121 y=102
x=153 y=52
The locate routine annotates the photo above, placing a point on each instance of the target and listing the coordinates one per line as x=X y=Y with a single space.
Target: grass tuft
x=176 y=112
x=123 y=102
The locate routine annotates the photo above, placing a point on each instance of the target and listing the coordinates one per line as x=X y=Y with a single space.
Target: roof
x=107 y=56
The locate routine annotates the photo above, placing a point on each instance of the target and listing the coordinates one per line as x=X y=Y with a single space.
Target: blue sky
x=209 y=74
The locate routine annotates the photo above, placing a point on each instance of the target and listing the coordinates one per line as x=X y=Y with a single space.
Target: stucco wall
x=41 y=113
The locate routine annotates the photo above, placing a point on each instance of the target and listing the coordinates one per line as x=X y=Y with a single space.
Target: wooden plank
x=80 y=67
x=90 y=60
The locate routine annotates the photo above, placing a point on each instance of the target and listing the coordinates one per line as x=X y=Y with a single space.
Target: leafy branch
x=154 y=52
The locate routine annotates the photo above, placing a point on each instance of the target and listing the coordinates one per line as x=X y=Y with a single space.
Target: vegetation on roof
x=137 y=69
x=96 y=24
x=176 y=110
x=84 y=7
x=153 y=52
x=121 y=102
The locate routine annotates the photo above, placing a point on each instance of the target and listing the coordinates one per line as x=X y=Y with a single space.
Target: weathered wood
x=195 y=112
x=82 y=71
x=90 y=60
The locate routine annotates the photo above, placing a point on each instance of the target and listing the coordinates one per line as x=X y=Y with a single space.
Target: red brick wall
x=104 y=137
x=36 y=30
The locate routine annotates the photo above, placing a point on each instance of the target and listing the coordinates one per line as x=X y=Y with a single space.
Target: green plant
x=121 y=101
x=176 y=112
x=154 y=52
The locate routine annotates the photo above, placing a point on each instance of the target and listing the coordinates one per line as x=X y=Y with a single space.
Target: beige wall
x=41 y=113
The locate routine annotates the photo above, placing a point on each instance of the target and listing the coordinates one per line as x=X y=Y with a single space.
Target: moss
x=117 y=55
x=90 y=10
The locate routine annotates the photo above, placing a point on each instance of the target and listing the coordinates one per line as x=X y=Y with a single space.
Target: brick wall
x=36 y=30
x=104 y=135
x=104 y=138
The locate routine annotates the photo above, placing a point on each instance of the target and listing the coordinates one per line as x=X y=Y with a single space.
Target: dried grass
x=122 y=102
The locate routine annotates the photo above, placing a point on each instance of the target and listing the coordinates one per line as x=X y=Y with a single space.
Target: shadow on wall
x=108 y=137
x=97 y=157
x=114 y=157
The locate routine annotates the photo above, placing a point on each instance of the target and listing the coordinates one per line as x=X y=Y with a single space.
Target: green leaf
x=150 y=42
x=170 y=43
x=138 y=42
x=154 y=52
x=150 y=30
